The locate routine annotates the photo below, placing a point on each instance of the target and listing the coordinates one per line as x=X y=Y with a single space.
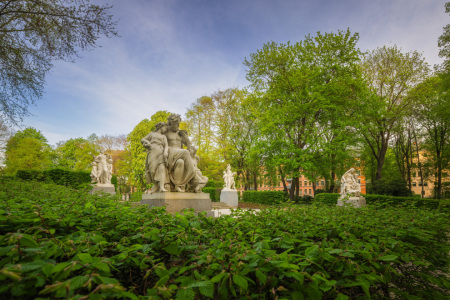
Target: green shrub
x=214 y=184
x=384 y=200
x=264 y=197
x=136 y=197
x=30 y=175
x=327 y=198
x=213 y=192
x=395 y=187
x=319 y=191
x=59 y=243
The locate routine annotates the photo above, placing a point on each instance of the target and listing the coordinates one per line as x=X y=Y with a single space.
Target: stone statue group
x=102 y=169
x=168 y=165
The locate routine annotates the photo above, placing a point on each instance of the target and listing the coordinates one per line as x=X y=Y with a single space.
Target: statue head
x=173 y=121
x=161 y=125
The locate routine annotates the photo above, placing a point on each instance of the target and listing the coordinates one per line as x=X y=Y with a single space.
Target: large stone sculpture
x=171 y=166
x=102 y=172
x=351 y=190
x=229 y=194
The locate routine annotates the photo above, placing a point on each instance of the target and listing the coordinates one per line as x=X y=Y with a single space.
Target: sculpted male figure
x=181 y=168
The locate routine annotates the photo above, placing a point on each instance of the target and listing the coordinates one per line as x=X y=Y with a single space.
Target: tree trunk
x=255 y=181
x=380 y=160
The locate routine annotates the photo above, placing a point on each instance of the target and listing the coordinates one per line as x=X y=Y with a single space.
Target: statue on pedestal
x=351 y=190
x=169 y=165
x=228 y=177
x=349 y=184
x=102 y=169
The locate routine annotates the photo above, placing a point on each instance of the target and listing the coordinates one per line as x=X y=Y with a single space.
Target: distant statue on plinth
x=228 y=178
x=102 y=169
x=351 y=190
x=229 y=193
x=101 y=173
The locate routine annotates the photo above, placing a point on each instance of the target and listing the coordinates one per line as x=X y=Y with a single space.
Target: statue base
x=107 y=188
x=230 y=197
x=176 y=202
x=352 y=201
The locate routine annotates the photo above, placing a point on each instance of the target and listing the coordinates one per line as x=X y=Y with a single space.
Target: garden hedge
x=74 y=179
x=213 y=192
x=264 y=197
x=59 y=243
x=382 y=200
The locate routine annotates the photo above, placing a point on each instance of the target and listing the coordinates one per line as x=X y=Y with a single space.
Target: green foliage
x=27 y=149
x=214 y=193
x=57 y=243
x=394 y=187
x=77 y=154
x=214 y=184
x=386 y=200
x=264 y=197
x=301 y=92
x=34 y=34
x=74 y=179
x=327 y=198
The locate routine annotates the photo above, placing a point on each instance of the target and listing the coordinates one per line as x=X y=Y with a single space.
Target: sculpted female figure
x=156 y=163
x=349 y=183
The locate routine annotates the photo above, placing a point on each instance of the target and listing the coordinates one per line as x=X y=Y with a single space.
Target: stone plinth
x=229 y=197
x=176 y=202
x=352 y=201
x=107 y=188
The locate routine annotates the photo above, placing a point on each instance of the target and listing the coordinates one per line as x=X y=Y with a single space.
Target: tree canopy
x=33 y=34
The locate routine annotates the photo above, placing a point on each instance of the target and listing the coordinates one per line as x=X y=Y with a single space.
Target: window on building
x=414 y=184
x=306 y=183
x=425 y=183
x=301 y=192
x=310 y=191
x=300 y=183
x=309 y=182
x=322 y=183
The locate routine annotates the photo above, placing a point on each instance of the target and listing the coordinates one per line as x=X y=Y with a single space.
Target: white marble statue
x=349 y=184
x=228 y=177
x=175 y=165
x=102 y=169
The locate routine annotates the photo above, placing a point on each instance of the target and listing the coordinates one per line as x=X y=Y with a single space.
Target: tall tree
x=294 y=85
x=433 y=108
x=77 y=154
x=33 y=34
x=27 y=149
x=390 y=74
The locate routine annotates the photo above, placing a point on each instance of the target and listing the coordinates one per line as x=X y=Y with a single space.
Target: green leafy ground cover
x=60 y=243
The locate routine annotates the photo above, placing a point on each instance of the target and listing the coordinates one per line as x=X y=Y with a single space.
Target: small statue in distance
x=228 y=177
x=102 y=169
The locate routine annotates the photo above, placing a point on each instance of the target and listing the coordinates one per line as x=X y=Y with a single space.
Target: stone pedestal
x=352 y=201
x=230 y=197
x=107 y=188
x=176 y=202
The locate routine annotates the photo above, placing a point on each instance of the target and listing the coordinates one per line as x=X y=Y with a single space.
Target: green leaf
x=240 y=281
x=162 y=281
x=388 y=257
x=206 y=288
x=77 y=282
x=341 y=297
x=172 y=249
x=85 y=257
x=218 y=277
x=185 y=294
x=28 y=241
x=261 y=277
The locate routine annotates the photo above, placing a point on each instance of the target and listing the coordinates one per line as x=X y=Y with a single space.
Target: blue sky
x=172 y=52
